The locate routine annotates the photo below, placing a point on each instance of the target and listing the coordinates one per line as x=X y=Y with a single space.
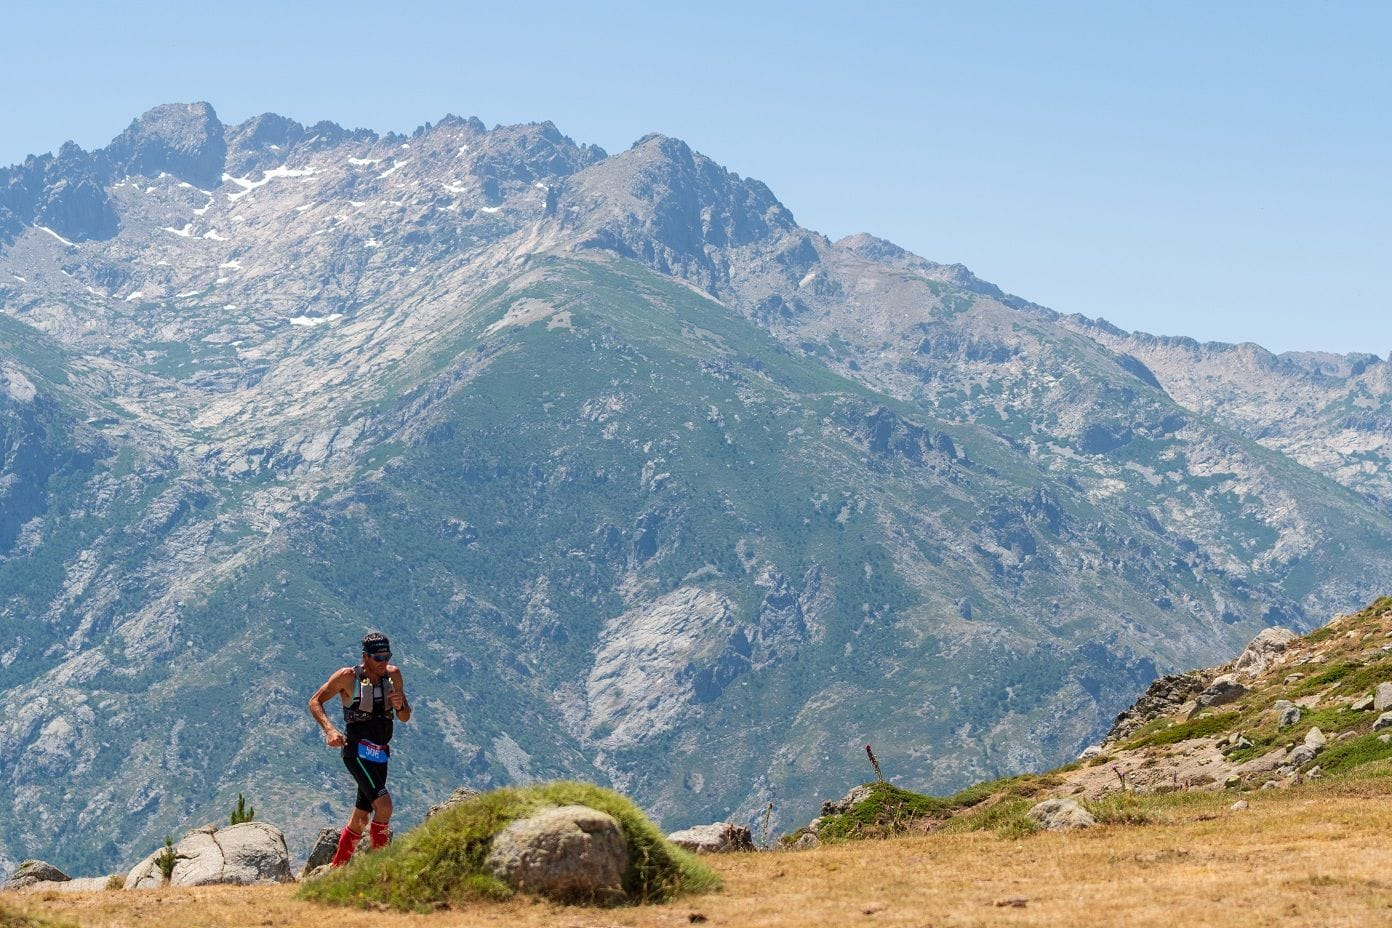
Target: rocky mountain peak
x=183 y=139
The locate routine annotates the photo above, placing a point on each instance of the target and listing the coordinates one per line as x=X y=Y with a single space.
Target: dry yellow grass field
x=1319 y=855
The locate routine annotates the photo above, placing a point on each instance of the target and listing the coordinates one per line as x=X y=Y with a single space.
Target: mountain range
x=648 y=484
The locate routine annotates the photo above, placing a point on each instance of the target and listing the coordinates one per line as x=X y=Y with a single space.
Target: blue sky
x=1218 y=170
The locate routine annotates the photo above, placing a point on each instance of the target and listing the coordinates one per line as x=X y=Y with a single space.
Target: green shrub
x=165 y=860
x=1203 y=727
x=243 y=812
x=443 y=861
x=889 y=810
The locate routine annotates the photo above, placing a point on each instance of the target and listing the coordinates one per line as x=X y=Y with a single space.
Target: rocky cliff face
x=649 y=484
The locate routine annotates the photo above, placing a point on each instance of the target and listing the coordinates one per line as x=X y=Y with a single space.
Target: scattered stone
x=1091 y=751
x=461 y=795
x=1382 y=697
x=1302 y=755
x=1058 y=814
x=1364 y=704
x=570 y=854
x=1232 y=781
x=245 y=854
x=716 y=838
x=30 y=872
x=1314 y=773
x=1015 y=902
x=805 y=841
x=1294 y=678
x=1271 y=784
x=1315 y=738
x=873 y=908
x=1238 y=806
x=1221 y=691
x=1345 y=735
x=1289 y=716
x=1383 y=721
x=1385 y=739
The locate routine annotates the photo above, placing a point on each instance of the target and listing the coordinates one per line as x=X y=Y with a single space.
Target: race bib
x=374 y=753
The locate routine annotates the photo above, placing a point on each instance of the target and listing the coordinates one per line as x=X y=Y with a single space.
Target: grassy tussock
x=12 y=919
x=441 y=863
x=890 y=811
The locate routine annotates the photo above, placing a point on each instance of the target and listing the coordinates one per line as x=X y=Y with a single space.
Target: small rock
x=1314 y=773
x=1383 y=721
x=1294 y=678
x=1014 y=902
x=1090 y=752
x=1289 y=716
x=461 y=795
x=716 y=838
x=1382 y=697
x=1363 y=705
x=805 y=841
x=30 y=872
x=1223 y=690
x=1345 y=735
x=1314 y=738
x=1385 y=739
x=1233 y=781
x=1271 y=784
x=872 y=908
x=1057 y=814
x=1238 y=806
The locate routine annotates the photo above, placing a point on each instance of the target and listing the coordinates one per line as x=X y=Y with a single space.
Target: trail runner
x=371 y=693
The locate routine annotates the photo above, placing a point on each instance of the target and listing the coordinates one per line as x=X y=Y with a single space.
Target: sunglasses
x=380 y=658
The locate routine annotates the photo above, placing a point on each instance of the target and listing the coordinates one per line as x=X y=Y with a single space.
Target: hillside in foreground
x=1208 y=810
x=1316 y=855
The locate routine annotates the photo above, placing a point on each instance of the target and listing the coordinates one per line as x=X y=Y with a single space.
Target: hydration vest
x=377 y=709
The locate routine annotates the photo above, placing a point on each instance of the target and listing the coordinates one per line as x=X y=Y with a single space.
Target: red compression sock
x=381 y=833
x=347 y=844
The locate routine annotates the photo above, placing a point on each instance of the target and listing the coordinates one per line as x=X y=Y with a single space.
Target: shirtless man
x=371 y=693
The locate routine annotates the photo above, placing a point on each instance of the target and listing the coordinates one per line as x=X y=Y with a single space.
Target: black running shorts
x=367 y=762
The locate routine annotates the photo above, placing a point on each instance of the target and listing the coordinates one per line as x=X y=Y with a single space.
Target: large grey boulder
x=253 y=852
x=570 y=854
x=1269 y=645
x=34 y=871
x=1060 y=814
x=716 y=838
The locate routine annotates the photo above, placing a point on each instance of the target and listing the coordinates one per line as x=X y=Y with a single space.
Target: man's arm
x=398 y=696
x=335 y=686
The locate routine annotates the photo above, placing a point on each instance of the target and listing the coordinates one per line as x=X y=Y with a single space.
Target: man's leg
x=349 y=838
x=362 y=809
x=381 y=812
